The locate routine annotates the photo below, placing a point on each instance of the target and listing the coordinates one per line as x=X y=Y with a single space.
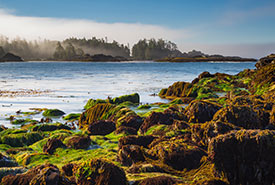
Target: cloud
x=32 y=28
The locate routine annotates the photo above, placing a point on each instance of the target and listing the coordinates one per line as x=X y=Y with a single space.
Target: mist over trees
x=75 y=48
x=154 y=49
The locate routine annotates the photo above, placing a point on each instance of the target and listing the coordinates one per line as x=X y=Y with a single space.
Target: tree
x=70 y=51
x=2 y=52
x=59 y=52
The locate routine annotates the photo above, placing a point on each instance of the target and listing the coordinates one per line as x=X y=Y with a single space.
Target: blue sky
x=215 y=26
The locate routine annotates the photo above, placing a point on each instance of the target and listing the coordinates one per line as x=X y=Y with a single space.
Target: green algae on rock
x=53 y=113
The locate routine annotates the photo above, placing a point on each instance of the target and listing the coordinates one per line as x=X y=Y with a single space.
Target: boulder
x=50 y=127
x=245 y=156
x=5 y=161
x=78 y=142
x=130 y=154
x=53 y=113
x=101 y=127
x=97 y=171
x=177 y=153
x=43 y=174
x=178 y=89
x=160 y=180
x=133 y=121
x=126 y=130
x=203 y=133
x=156 y=118
x=243 y=116
x=200 y=111
x=135 y=140
x=52 y=145
x=272 y=116
x=68 y=169
x=265 y=61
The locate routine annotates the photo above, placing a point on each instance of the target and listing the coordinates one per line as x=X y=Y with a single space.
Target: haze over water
x=69 y=85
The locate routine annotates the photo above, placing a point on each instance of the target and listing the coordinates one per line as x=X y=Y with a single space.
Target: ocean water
x=68 y=85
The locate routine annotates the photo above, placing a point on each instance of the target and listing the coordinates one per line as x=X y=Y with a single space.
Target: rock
x=20 y=139
x=69 y=168
x=144 y=168
x=156 y=118
x=133 y=121
x=272 y=116
x=98 y=171
x=126 y=130
x=245 y=156
x=212 y=182
x=200 y=111
x=203 y=133
x=265 y=61
x=178 y=89
x=130 y=154
x=48 y=175
x=102 y=127
x=135 y=140
x=78 y=142
x=177 y=153
x=5 y=161
x=25 y=178
x=243 y=116
x=9 y=57
x=160 y=180
x=14 y=151
x=50 y=127
x=53 y=113
x=52 y=145
x=134 y=98
x=95 y=113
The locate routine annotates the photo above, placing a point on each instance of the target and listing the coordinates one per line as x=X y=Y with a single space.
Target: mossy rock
x=21 y=139
x=97 y=171
x=134 y=98
x=145 y=106
x=50 y=127
x=245 y=156
x=93 y=102
x=72 y=116
x=22 y=121
x=53 y=113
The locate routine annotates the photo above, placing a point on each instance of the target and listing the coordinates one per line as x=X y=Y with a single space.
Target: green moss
x=4 y=147
x=21 y=139
x=50 y=127
x=134 y=98
x=72 y=116
x=92 y=102
x=128 y=104
x=176 y=101
x=22 y=121
x=12 y=131
x=53 y=113
x=145 y=106
x=156 y=129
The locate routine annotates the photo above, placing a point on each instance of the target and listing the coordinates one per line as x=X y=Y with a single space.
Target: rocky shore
x=218 y=129
x=207 y=59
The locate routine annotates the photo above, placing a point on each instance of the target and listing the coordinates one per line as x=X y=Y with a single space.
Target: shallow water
x=69 y=85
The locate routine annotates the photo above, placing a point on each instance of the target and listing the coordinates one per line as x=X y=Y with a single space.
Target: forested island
x=94 y=49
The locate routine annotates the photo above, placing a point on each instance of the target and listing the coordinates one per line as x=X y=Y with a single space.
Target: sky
x=229 y=27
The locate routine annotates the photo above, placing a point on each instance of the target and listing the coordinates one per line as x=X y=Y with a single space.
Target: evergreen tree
x=59 y=52
x=2 y=52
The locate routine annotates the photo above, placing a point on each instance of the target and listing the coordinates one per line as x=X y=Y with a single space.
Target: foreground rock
x=177 y=153
x=99 y=171
x=52 y=145
x=200 y=111
x=245 y=156
x=101 y=127
x=161 y=180
x=44 y=174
